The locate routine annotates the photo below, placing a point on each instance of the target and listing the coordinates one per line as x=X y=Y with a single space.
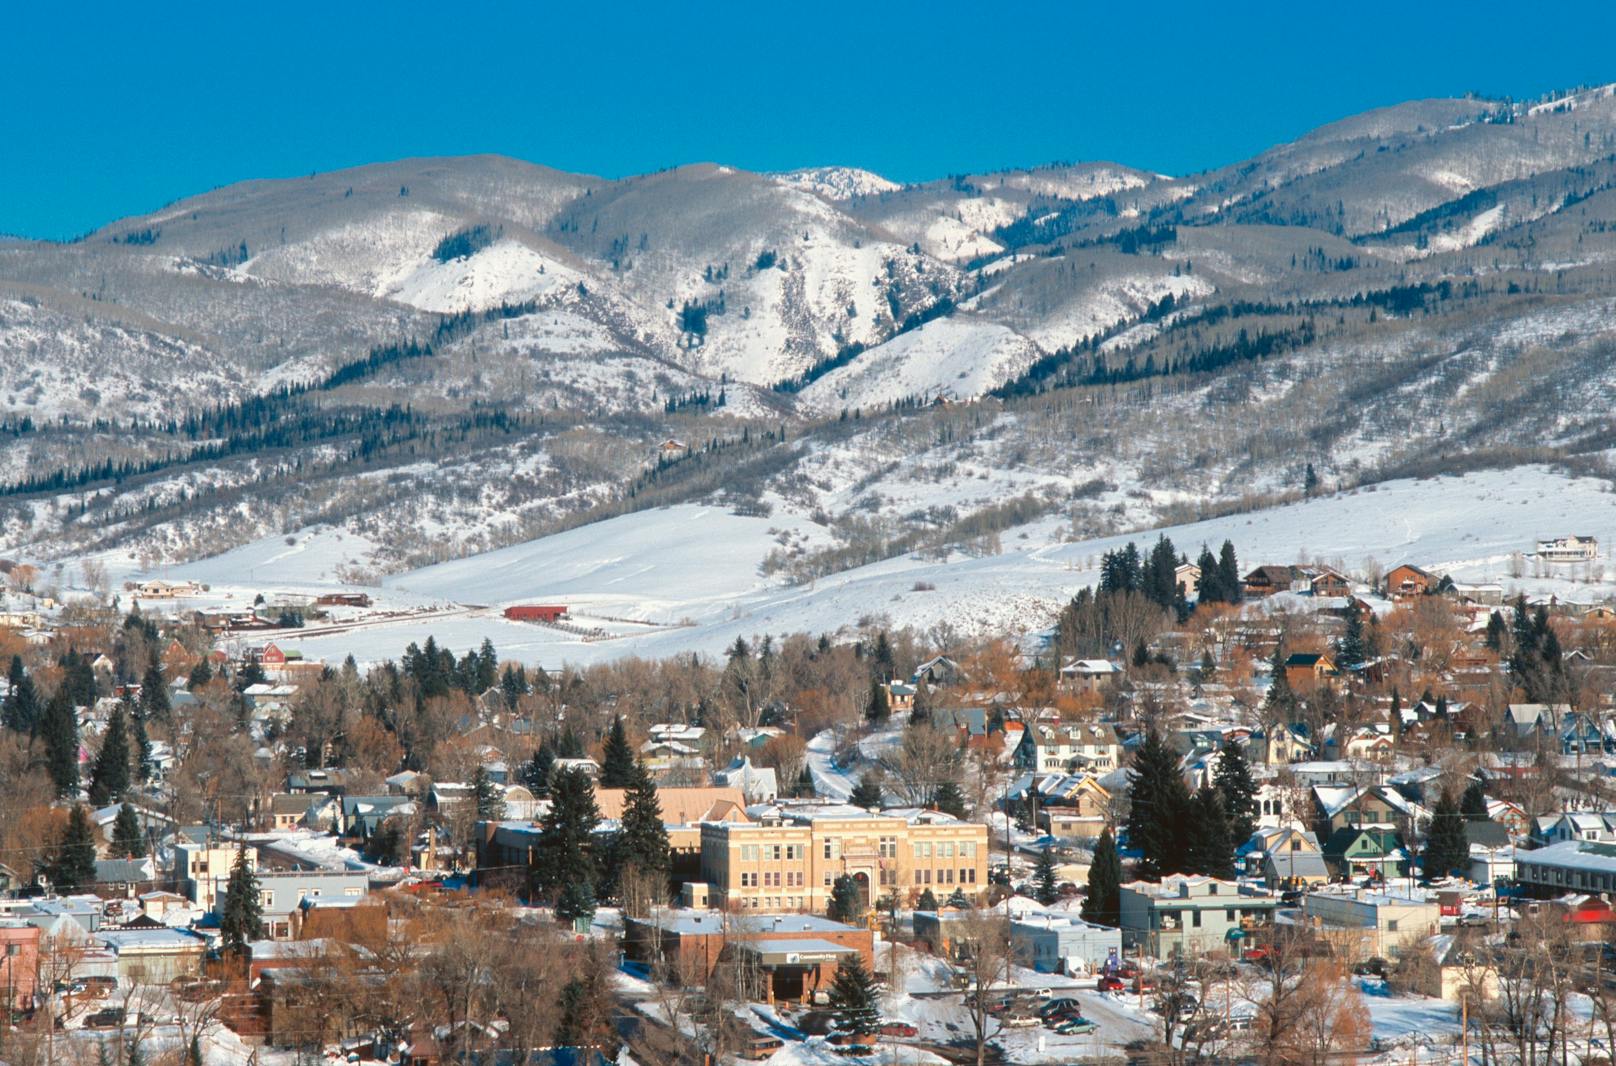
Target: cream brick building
x=788 y=858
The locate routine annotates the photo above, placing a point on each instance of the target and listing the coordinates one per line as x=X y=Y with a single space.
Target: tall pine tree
x=642 y=842
x=1044 y=878
x=1447 y=848
x=1158 y=809
x=1103 y=904
x=1210 y=847
x=1238 y=790
x=854 y=1000
x=72 y=865
x=1229 y=573
x=241 y=913
x=109 y=776
x=566 y=849
x=21 y=710
x=127 y=840
x=489 y=798
x=60 y=730
x=617 y=760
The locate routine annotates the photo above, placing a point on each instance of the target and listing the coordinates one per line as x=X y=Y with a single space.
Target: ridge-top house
x=1572 y=549
x=1063 y=748
x=1308 y=669
x=1407 y=580
x=1088 y=675
x=1357 y=852
x=1268 y=579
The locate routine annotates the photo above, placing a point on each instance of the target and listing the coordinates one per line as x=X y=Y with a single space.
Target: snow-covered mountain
x=440 y=356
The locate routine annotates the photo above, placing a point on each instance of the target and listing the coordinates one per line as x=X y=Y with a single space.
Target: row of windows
x=771 y=879
x=774 y=852
x=946 y=849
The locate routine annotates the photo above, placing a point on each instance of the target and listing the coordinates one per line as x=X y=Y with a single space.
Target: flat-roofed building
x=788 y=858
x=1191 y=915
x=796 y=953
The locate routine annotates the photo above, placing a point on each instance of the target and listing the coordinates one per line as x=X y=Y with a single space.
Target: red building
x=536 y=612
x=19 y=963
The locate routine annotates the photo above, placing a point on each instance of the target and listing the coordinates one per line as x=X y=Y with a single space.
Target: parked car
x=1074 y=1027
x=897 y=1027
x=1057 y=1006
x=111 y=1018
x=1110 y=983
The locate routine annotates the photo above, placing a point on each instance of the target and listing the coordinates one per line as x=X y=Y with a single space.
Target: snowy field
x=690 y=574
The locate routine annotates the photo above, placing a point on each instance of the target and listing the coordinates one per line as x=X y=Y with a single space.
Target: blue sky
x=113 y=110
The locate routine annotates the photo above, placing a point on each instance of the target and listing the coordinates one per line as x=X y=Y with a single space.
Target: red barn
x=536 y=612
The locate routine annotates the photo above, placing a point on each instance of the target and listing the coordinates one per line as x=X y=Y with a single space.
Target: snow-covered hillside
x=954 y=358
x=698 y=566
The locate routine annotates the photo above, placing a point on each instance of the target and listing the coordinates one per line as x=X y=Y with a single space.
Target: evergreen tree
x=1310 y=481
x=1396 y=713
x=643 y=840
x=1103 y=904
x=60 y=730
x=577 y=900
x=109 y=776
x=879 y=707
x=1209 y=666
x=854 y=1001
x=884 y=662
x=21 y=710
x=1238 y=790
x=154 y=694
x=72 y=866
x=957 y=900
x=617 y=761
x=241 y=913
x=490 y=800
x=1210 y=847
x=201 y=674
x=844 y=900
x=514 y=684
x=487 y=667
x=927 y=901
x=1047 y=891
x=867 y=793
x=949 y=799
x=1280 y=702
x=1352 y=650
x=1447 y=848
x=193 y=1054
x=143 y=748
x=804 y=788
x=536 y=771
x=565 y=853
x=127 y=840
x=1473 y=804
x=1229 y=573
x=1208 y=588
x=1495 y=631
x=1158 y=810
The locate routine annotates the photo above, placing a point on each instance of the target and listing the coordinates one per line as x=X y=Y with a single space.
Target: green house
x=1355 y=852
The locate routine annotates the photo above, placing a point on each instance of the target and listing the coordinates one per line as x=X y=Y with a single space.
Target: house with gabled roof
x=1407 y=580
x=1358 y=852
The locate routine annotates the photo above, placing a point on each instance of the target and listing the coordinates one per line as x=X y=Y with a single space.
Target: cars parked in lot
x=111 y=1018
x=1073 y=1026
x=1110 y=982
x=1059 y=1006
x=897 y=1027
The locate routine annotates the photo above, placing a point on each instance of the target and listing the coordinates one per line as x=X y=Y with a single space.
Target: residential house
x=1329 y=584
x=939 y=670
x=1267 y=580
x=153 y=956
x=1598 y=827
x=1282 y=745
x=202 y=869
x=1366 y=852
x=1407 y=580
x=1572 y=549
x=1088 y=675
x=759 y=784
x=1191 y=916
x=287 y=810
x=1188 y=577
x=1306 y=670
x=1088 y=746
x=900 y=696
x=1074 y=807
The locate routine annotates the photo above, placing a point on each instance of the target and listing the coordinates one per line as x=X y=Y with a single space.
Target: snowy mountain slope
x=838 y=183
x=640 y=566
x=953 y=358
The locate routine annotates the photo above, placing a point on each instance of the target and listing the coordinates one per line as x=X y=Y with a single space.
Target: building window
x=973 y=875
x=889 y=847
x=1195 y=919
x=1391 y=925
x=827 y=849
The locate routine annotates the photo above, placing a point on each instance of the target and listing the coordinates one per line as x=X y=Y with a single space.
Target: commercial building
x=1571 y=866
x=19 y=962
x=1362 y=924
x=1191 y=915
x=1055 y=943
x=788 y=858
x=795 y=954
